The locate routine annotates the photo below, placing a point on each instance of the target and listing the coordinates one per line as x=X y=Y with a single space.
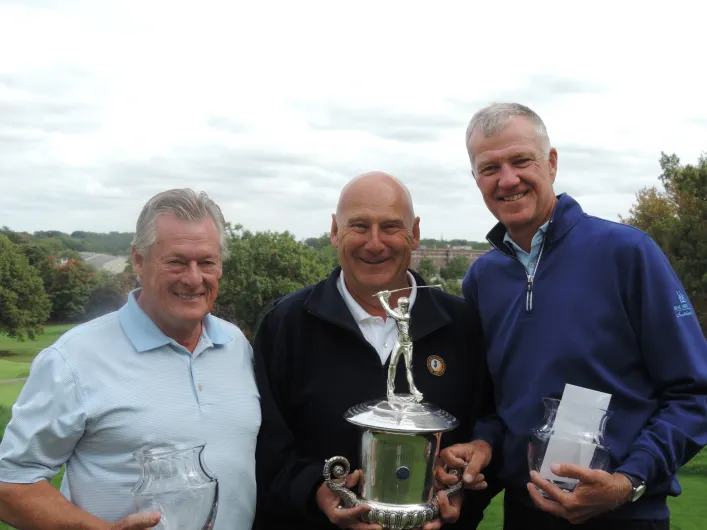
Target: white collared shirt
x=379 y=332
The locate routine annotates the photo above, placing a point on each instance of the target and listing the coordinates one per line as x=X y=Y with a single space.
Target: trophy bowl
x=399 y=445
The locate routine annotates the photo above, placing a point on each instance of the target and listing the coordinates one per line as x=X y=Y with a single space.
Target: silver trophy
x=400 y=441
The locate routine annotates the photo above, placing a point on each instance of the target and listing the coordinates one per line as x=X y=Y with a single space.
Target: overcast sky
x=272 y=107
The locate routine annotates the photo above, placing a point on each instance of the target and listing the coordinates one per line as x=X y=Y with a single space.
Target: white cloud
x=272 y=106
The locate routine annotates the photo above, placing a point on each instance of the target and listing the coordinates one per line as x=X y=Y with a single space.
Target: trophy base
x=400 y=517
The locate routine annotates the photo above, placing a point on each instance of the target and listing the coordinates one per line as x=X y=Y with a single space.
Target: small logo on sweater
x=436 y=365
x=683 y=308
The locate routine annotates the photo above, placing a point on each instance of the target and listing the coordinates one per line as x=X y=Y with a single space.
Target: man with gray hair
x=161 y=371
x=565 y=297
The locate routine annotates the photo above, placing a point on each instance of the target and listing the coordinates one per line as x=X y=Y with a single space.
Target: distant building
x=441 y=256
x=105 y=262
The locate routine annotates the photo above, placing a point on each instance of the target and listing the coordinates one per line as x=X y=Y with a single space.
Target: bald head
x=376 y=186
x=375 y=232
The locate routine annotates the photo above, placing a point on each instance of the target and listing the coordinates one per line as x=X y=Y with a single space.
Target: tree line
x=42 y=278
x=62 y=244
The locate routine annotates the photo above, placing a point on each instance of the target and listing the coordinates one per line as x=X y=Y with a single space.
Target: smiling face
x=375 y=232
x=514 y=175
x=179 y=274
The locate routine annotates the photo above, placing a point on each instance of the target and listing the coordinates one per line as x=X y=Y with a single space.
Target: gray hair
x=493 y=118
x=184 y=204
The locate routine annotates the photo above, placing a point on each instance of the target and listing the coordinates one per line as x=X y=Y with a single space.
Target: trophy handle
x=338 y=467
x=454 y=488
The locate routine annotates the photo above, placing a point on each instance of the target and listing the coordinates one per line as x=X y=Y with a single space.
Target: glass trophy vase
x=571 y=433
x=177 y=483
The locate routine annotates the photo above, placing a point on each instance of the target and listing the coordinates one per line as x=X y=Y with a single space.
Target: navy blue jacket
x=604 y=311
x=313 y=363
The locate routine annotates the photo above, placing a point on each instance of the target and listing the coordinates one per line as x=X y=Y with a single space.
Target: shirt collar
x=508 y=240
x=359 y=313
x=144 y=334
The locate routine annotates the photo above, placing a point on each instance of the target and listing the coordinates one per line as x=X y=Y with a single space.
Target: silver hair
x=184 y=204
x=493 y=118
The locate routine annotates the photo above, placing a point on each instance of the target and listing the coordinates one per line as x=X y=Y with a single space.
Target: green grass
x=9 y=392
x=25 y=351
x=13 y=370
x=493 y=514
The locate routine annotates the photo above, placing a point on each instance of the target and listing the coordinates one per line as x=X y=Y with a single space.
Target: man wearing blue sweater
x=565 y=297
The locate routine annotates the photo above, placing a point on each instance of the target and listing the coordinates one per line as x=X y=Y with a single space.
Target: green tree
x=109 y=293
x=455 y=269
x=324 y=250
x=427 y=269
x=263 y=267
x=70 y=289
x=24 y=305
x=676 y=219
x=453 y=286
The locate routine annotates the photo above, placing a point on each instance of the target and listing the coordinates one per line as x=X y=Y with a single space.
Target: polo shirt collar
x=359 y=313
x=325 y=302
x=144 y=334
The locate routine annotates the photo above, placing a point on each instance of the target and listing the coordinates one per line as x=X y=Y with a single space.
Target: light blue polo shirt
x=528 y=259
x=116 y=385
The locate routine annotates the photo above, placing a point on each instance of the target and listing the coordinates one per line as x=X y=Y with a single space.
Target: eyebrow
x=368 y=220
x=185 y=258
x=517 y=154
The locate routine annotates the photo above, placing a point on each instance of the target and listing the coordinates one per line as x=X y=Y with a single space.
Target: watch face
x=638 y=491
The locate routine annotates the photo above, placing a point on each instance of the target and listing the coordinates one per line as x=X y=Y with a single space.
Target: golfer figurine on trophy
x=400 y=440
x=403 y=343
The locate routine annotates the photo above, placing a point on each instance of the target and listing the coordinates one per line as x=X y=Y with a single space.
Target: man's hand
x=350 y=518
x=472 y=457
x=137 y=521
x=449 y=510
x=597 y=492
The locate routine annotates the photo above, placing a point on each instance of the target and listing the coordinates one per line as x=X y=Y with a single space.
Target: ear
x=138 y=261
x=552 y=162
x=334 y=234
x=415 y=234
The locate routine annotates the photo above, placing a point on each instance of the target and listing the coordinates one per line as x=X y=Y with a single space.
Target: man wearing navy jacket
x=565 y=297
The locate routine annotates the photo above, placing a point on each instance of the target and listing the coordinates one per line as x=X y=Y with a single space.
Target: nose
x=374 y=243
x=508 y=177
x=192 y=276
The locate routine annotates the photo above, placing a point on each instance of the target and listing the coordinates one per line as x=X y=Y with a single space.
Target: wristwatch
x=638 y=487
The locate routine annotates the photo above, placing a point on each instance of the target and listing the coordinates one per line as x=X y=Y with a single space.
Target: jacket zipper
x=530 y=277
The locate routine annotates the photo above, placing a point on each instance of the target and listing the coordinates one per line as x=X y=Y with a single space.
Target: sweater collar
x=565 y=216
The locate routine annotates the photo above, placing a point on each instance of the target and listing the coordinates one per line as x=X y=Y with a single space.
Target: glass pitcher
x=577 y=440
x=176 y=482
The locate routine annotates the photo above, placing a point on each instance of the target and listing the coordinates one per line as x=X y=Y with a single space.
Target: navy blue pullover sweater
x=604 y=311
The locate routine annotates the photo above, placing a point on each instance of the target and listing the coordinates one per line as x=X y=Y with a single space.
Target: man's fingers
x=456 y=455
x=449 y=508
x=581 y=473
x=478 y=486
x=445 y=478
x=139 y=521
x=353 y=478
x=545 y=504
x=550 y=489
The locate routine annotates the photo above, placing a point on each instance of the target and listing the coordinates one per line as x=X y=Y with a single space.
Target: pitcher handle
x=336 y=468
